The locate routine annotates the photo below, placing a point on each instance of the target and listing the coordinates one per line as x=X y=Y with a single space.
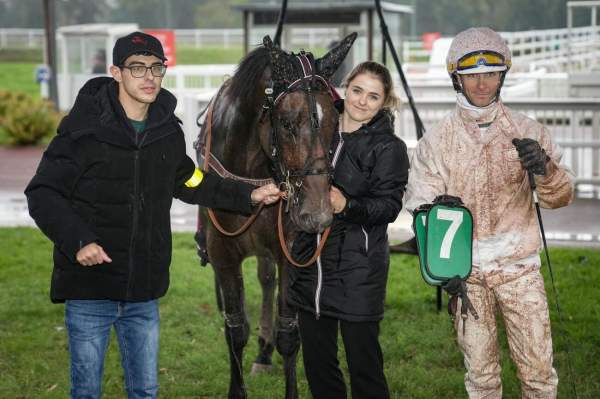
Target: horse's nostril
x=315 y=222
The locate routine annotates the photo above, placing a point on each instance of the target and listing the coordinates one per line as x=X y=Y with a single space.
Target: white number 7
x=456 y=218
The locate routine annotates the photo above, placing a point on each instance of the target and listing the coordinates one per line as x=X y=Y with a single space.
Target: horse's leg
x=237 y=330
x=287 y=337
x=266 y=277
x=218 y=292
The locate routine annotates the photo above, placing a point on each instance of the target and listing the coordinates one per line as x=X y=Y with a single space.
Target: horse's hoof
x=258 y=368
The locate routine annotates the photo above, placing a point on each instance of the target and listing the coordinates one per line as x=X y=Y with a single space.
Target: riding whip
x=533 y=187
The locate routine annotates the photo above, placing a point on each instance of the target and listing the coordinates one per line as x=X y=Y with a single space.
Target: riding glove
x=532 y=155
x=448 y=200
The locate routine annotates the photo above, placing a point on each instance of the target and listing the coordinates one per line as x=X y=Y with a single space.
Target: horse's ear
x=330 y=62
x=267 y=42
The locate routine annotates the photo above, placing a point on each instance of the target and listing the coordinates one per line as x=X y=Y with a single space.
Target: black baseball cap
x=136 y=43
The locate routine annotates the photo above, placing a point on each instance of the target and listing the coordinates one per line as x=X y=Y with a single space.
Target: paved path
x=576 y=225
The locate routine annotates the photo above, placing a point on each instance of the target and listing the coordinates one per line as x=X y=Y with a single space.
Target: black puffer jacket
x=371 y=171
x=98 y=183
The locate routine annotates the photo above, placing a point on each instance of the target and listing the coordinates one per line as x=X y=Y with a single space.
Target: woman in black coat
x=345 y=289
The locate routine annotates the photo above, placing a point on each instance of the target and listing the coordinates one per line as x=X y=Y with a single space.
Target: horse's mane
x=249 y=73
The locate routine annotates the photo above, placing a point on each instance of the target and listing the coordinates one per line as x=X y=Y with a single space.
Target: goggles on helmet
x=480 y=62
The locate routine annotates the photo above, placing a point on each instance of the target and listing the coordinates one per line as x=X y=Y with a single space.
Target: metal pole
x=369 y=35
x=50 y=27
x=569 y=27
x=246 y=31
x=420 y=128
x=280 y=22
x=383 y=50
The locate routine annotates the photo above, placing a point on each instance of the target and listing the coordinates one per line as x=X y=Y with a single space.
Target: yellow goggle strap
x=196 y=179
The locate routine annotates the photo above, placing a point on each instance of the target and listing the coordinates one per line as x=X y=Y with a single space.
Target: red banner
x=167 y=39
x=428 y=39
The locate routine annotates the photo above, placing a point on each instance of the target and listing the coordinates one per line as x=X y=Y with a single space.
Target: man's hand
x=267 y=194
x=532 y=155
x=92 y=254
x=337 y=199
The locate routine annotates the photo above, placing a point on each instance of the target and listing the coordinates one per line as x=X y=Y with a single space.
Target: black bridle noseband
x=307 y=82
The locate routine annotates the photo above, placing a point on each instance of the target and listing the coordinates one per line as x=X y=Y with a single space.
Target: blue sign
x=42 y=73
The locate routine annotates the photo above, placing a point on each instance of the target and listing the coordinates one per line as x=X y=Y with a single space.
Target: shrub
x=26 y=120
x=7 y=98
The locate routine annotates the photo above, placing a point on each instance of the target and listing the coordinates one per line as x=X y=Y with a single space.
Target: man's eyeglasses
x=139 y=71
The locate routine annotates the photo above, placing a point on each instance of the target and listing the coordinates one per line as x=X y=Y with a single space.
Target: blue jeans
x=89 y=324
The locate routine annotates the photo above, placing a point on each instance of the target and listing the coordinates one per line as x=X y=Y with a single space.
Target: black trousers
x=363 y=354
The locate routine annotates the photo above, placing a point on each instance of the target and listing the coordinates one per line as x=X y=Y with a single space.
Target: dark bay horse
x=274 y=119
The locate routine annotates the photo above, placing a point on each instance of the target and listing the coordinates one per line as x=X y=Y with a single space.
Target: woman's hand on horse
x=267 y=194
x=338 y=201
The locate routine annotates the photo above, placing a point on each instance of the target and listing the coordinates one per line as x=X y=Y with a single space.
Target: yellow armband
x=196 y=179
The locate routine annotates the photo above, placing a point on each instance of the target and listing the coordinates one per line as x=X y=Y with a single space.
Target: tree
x=218 y=14
x=157 y=13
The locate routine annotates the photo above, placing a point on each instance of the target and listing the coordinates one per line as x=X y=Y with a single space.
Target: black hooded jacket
x=99 y=181
x=371 y=170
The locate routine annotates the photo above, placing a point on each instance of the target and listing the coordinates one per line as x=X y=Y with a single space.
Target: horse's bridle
x=283 y=175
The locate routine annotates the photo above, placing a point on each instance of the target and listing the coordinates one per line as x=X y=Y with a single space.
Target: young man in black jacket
x=102 y=193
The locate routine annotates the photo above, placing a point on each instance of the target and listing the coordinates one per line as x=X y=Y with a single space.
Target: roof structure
x=355 y=15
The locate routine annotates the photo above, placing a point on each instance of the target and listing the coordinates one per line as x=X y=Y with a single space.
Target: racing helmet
x=477 y=50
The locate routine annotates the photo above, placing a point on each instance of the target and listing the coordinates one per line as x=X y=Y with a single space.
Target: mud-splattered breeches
x=523 y=306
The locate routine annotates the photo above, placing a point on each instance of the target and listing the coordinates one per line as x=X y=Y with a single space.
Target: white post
x=179 y=83
x=226 y=38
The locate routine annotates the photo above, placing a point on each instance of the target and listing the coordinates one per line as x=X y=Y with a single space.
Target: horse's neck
x=236 y=141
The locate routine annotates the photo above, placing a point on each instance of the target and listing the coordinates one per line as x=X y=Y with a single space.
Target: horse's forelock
x=249 y=74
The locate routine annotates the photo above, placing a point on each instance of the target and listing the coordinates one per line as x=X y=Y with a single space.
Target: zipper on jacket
x=336 y=155
x=338 y=149
x=319 y=282
x=366 y=239
x=135 y=216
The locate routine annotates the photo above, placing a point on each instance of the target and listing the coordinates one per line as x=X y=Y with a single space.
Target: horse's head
x=299 y=124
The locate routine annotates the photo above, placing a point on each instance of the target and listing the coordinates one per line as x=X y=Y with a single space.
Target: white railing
x=300 y=37
x=553 y=49
x=573 y=123
x=199 y=38
x=16 y=38
x=556 y=49
x=183 y=79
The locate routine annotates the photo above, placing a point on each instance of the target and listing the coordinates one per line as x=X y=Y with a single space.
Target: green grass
x=209 y=55
x=34 y=55
x=421 y=356
x=16 y=76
